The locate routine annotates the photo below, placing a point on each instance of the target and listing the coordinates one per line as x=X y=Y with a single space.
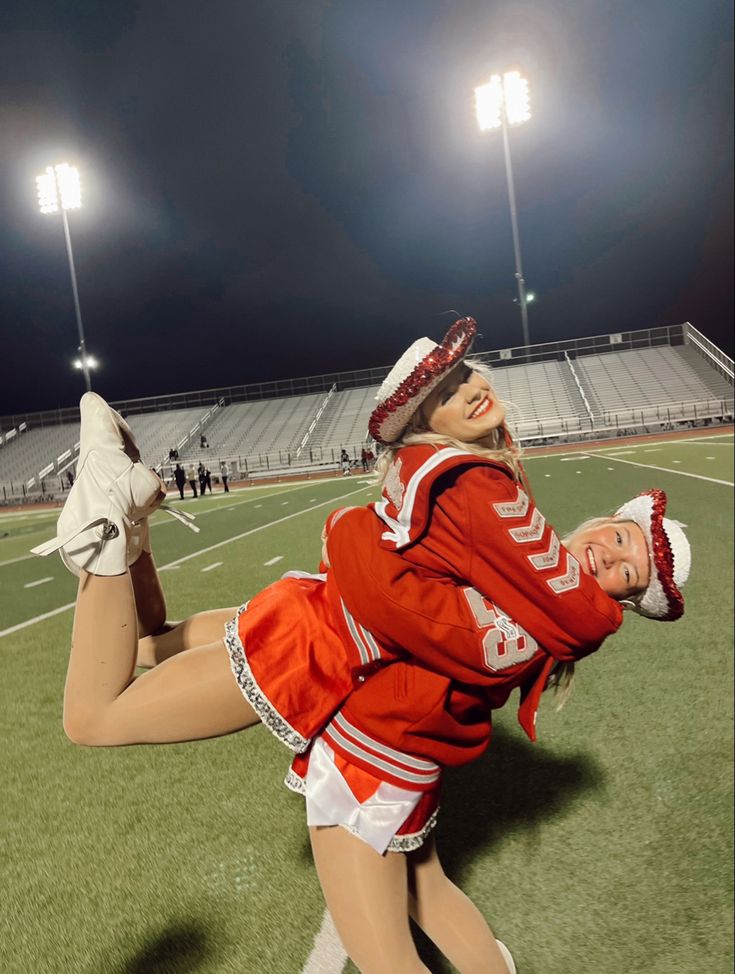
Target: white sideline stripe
x=194 y=554
x=273 y=561
x=210 y=567
x=650 y=466
x=39 y=581
x=327 y=955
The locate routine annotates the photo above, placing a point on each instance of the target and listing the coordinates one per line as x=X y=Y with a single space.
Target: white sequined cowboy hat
x=416 y=373
x=669 y=553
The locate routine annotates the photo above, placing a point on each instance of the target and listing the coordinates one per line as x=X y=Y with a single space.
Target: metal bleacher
x=559 y=391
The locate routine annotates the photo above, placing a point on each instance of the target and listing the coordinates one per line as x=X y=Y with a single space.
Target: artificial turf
x=606 y=847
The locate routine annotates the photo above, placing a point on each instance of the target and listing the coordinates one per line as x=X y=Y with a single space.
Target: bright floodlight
x=530 y=297
x=58 y=187
x=508 y=95
x=89 y=360
x=489 y=103
x=515 y=88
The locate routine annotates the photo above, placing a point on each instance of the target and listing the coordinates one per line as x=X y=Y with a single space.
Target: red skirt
x=291 y=665
x=288 y=659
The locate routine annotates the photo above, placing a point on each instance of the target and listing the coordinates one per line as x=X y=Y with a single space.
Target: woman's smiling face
x=463 y=406
x=615 y=553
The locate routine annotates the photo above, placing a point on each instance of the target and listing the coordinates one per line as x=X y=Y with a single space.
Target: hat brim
x=662 y=599
x=391 y=416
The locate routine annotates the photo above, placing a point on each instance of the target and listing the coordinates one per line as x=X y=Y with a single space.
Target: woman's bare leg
x=189 y=696
x=449 y=918
x=367 y=895
x=173 y=638
x=150 y=602
x=159 y=639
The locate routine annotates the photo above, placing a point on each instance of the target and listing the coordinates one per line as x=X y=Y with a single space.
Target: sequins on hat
x=416 y=373
x=669 y=552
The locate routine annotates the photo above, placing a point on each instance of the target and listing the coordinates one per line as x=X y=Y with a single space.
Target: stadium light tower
x=502 y=103
x=59 y=190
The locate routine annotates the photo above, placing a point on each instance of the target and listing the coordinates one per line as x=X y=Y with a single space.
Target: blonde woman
x=381 y=670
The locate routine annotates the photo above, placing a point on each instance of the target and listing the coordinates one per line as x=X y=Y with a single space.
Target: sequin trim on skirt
x=252 y=692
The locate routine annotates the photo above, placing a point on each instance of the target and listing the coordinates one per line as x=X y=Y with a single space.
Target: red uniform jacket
x=456 y=579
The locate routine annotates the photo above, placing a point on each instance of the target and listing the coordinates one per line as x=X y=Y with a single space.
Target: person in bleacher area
x=224 y=473
x=180 y=478
x=203 y=442
x=431 y=606
x=191 y=476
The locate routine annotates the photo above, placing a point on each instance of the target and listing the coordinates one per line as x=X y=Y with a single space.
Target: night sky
x=276 y=188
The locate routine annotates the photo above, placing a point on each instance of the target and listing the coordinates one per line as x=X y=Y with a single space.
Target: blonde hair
x=417 y=433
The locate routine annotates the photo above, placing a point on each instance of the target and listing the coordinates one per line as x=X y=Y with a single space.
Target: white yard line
x=209 y=568
x=31 y=622
x=12 y=561
x=273 y=561
x=195 y=554
x=703 y=440
x=39 y=581
x=262 y=527
x=679 y=473
x=327 y=955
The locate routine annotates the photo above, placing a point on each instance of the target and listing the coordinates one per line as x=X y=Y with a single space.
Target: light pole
x=502 y=103
x=59 y=189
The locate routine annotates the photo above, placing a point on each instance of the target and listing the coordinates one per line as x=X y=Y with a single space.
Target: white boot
x=109 y=495
x=102 y=525
x=106 y=425
x=507 y=957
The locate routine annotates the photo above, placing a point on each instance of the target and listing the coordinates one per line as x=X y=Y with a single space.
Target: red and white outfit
x=439 y=601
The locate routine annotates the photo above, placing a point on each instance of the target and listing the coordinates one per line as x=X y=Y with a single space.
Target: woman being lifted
x=438 y=600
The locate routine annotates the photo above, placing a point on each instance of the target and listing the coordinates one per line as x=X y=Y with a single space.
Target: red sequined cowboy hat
x=669 y=552
x=416 y=373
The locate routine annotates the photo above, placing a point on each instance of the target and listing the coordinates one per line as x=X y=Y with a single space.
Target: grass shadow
x=179 y=949
x=512 y=789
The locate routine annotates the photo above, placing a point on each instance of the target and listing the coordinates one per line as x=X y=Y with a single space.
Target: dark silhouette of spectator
x=208 y=479
x=191 y=476
x=70 y=478
x=364 y=459
x=224 y=472
x=180 y=478
x=202 y=479
x=346 y=463
x=203 y=442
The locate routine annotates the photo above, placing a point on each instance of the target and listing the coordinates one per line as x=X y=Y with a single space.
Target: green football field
x=604 y=848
